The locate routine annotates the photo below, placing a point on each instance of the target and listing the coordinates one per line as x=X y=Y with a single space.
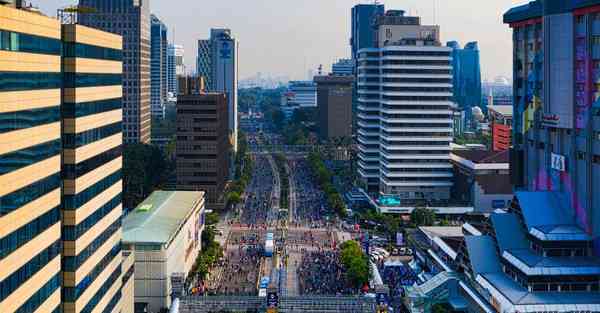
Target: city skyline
x=302 y=45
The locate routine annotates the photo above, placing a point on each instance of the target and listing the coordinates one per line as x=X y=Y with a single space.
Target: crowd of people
x=316 y=239
x=398 y=276
x=239 y=272
x=311 y=204
x=321 y=273
x=258 y=202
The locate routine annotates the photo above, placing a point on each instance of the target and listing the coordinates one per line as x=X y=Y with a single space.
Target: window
x=12 y=121
x=15 y=160
x=20 y=81
x=74 y=110
x=80 y=50
x=13 y=41
x=17 y=199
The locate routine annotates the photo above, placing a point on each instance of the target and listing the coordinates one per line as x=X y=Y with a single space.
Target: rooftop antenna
x=434 y=12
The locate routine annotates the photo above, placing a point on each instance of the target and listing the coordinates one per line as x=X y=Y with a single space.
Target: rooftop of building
x=485 y=263
x=483 y=157
x=538 y=8
x=504 y=110
x=548 y=216
x=441 y=231
x=158 y=218
x=332 y=78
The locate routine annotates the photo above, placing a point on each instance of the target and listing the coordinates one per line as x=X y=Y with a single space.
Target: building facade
x=334 y=98
x=109 y=16
x=218 y=61
x=60 y=212
x=175 y=68
x=204 y=62
x=362 y=31
x=164 y=233
x=92 y=161
x=202 y=144
x=466 y=78
x=158 y=67
x=30 y=159
x=303 y=93
x=404 y=112
x=500 y=117
x=556 y=124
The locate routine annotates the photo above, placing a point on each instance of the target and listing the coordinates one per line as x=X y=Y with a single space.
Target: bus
x=269 y=245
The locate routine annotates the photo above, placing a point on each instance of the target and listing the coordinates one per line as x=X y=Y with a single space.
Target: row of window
x=72 y=263
x=12 y=121
x=419 y=179
x=417 y=125
x=72 y=202
x=71 y=294
x=416 y=116
x=420 y=152
x=416 y=62
x=193 y=111
x=76 y=80
x=26 y=233
x=72 y=233
x=80 y=50
x=74 y=110
x=110 y=281
x=13 y=41
x=113 y=302
x=73 y=171
x=40 y=296
x=418 y=89
x=416 y=98
x=21 y=81
x=15 y=160
x=25 y=272
x=19 y=198
x=73 y=141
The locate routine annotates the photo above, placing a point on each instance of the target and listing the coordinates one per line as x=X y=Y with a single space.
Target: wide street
x=305 y=260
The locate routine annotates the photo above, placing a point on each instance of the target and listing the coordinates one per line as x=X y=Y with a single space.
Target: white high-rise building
x=404 y=112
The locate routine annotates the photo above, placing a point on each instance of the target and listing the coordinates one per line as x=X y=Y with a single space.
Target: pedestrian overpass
x=304 y=304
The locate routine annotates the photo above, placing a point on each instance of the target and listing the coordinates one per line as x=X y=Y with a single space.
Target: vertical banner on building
x=272 y=302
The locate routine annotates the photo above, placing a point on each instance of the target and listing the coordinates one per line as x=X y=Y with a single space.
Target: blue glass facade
x=466 y=76
x=158 y=66
x=363 y=33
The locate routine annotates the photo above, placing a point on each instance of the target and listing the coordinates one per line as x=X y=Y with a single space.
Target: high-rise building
x=92 y=161
x=204 y=62
x=343 y=67
x=466 y=77
x=334 y=99
x=158 y=67
x=202 y=148
x=217 y=61
x=175 y=68
x=363 y=32
x=30 y=162
x=131 y=20
x=404 y=111
x=60 y=207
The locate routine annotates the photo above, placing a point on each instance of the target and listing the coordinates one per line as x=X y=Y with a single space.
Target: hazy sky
x=289 y=37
